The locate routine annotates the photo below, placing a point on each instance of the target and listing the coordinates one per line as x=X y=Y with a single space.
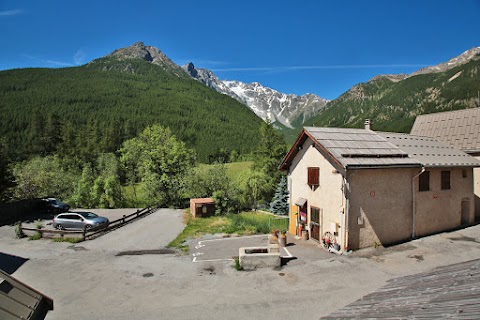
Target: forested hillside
x=392 y=105
x=92 y=109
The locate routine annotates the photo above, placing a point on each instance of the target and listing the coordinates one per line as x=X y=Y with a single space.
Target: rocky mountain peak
x=465 y=57
x=148 y=53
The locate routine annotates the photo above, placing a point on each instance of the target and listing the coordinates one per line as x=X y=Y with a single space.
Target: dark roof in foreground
x=446 y=292
x=19 y=301
x=460 y=129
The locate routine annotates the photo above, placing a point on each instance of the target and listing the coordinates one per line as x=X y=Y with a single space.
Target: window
x=445 y=180
x=313 y=176
x=464 y=173
x=424 y=181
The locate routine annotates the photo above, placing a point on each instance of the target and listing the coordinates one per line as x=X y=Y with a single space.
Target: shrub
x=18 y=230
x=237 y=265
x=39 y=224
x=71 y=240
x=36 y=236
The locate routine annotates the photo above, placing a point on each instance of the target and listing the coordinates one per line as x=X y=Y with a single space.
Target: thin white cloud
x=48 y=61
x=58 y=63
x=11 y=12
x=202 y=62
x=293 y=68
x=79 y=57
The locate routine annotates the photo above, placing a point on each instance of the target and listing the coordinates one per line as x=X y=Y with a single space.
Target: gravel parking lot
x=94 y=280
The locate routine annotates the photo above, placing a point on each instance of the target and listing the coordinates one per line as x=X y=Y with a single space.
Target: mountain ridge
x=95 y=107
x=393 y=101
x=266 y=102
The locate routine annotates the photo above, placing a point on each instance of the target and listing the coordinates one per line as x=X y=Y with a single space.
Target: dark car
x=78 y=220
x=55 y=206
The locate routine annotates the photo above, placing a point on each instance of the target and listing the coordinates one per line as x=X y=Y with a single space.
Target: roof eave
x=287 y=160
x=382 y=166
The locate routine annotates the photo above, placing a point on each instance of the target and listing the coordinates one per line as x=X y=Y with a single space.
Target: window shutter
x=313 y=176
x=424 y=181
x=445 y=180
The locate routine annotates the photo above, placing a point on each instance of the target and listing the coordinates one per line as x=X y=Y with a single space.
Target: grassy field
x=245 y=223
x=234 y=169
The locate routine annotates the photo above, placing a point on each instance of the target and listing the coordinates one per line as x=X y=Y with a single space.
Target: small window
x=464 y=173
x=424 y=181
x=445 y=180
x=313 y=176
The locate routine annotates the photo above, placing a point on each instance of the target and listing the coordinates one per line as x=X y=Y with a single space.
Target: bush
x=36 y=236
x=70 y=240
x=237 y=264
x=18 y=230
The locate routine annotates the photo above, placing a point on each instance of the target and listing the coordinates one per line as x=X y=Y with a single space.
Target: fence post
x=123 y=219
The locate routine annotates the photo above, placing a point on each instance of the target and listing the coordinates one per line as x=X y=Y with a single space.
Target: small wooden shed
x=202 y=207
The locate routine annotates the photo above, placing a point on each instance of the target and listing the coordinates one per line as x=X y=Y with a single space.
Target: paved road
x=90 y=281
x=154 y=231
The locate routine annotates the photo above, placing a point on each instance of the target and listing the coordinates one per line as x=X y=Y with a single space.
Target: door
x=67 y=221
x=76 y=222
x=465 y=218
x=315 y=223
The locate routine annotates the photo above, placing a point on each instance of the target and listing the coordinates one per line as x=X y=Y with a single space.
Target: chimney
x=368 y=124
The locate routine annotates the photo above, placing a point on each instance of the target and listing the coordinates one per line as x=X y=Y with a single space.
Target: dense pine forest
x=92 y=109
x=128 y=133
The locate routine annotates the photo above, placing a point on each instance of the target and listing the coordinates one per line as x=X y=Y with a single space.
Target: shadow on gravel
x=142 y=252
x=285 y=260
x=463 y=238
x=9 y=263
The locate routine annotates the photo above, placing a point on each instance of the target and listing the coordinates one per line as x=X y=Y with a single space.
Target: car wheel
x=88 y=227
x=59 y=227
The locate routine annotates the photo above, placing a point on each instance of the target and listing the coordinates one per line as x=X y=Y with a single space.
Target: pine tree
x=279 y=204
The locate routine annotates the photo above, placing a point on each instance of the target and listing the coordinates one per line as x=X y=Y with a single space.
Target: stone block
x=252 y=258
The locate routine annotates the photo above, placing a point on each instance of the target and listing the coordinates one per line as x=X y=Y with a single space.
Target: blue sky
x=321 y=47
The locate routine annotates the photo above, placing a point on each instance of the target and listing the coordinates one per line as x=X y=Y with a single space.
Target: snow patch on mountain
x=267 y=103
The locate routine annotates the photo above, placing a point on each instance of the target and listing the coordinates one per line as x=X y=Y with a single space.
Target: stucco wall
x=380 y=206
x=328 y=196
x=438 y=210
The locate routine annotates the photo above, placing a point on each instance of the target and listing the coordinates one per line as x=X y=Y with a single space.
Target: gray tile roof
x=430 y=152
x=449 y=292
x=366 y=148
x=460 y=129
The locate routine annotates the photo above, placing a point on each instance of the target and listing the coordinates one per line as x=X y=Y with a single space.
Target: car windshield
x=87 y=215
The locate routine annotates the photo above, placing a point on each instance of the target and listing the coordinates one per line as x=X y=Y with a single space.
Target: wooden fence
x=93 y=232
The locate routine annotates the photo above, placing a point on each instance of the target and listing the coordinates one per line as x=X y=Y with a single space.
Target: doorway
x=315 y=223
x=465 y=215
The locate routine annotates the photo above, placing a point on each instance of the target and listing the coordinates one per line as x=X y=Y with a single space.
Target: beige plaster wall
x=380 y=206
x=328 y=196
x=438 y=210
